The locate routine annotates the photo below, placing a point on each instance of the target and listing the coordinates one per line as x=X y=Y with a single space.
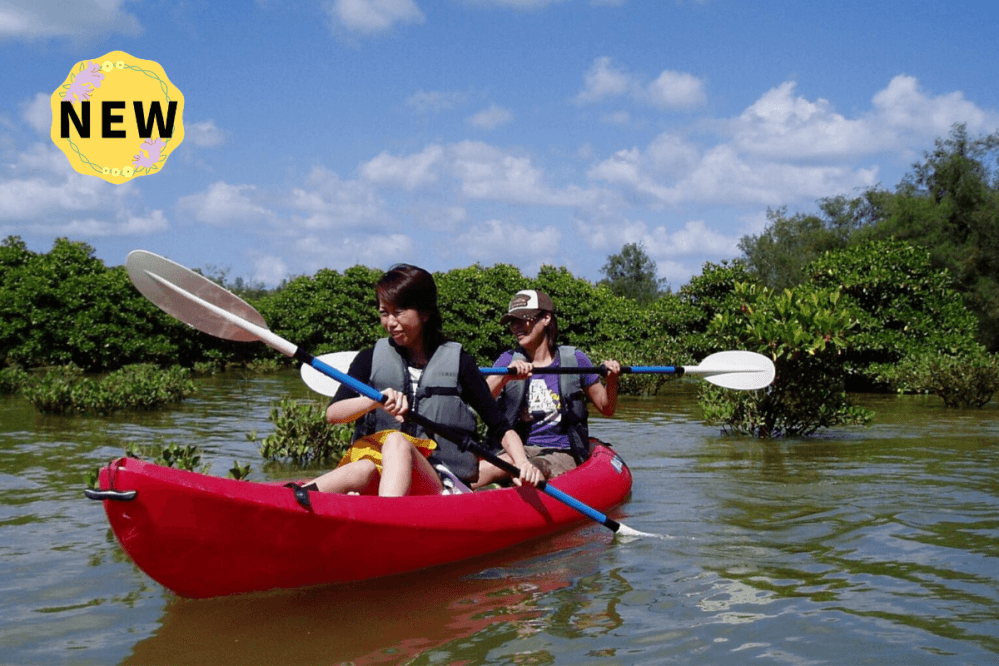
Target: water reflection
x=386 y=621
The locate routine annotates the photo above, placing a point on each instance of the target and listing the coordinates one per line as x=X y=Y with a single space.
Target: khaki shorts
x=551 y=462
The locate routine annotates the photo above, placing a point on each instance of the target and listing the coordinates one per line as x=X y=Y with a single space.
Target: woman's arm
x=351 y=409
x=497 y=382
x=604 y=398
x=348 y=406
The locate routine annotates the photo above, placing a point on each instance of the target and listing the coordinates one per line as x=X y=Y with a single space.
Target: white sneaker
x=452 y=484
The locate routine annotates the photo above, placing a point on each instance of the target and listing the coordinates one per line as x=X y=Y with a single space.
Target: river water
x=877 y=546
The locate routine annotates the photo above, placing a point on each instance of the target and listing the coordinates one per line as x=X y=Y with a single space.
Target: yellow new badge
x=117 y=117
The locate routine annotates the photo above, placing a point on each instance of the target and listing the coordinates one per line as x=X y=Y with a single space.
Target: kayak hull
x=203 y=536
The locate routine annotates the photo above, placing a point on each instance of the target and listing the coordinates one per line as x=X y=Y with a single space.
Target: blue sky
x=327 y=133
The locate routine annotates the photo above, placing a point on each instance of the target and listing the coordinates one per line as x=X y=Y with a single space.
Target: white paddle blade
x=142 y=266
x=321 y=383
x=739 y=370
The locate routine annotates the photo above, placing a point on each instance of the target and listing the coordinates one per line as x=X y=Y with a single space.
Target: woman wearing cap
x=548 y=411
x=415 y=367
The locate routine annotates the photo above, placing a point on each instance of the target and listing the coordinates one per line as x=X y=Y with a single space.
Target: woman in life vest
x=418 y=369
x=548 y=411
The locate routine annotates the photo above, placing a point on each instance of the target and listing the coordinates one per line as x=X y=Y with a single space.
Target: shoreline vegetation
x=876 y=317
x=891 y=291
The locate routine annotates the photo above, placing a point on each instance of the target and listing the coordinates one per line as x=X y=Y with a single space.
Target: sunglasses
x=526 y=323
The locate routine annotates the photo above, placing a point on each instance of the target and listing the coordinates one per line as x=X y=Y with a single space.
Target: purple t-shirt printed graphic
x=542 y=407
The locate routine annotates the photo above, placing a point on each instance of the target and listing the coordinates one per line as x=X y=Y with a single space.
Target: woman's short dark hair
x=406 y=286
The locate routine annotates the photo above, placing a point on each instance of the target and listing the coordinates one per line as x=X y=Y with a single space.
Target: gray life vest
x=436 y=398
x=571 y=397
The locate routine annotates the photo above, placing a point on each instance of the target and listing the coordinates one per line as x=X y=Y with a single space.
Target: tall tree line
x=948 y=204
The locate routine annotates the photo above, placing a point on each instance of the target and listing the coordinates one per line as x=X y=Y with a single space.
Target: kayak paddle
x=739 y=370
x=196 y=300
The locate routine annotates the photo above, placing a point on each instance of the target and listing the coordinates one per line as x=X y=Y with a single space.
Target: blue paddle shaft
x=598 y=369
x=341 y=377
x=574 y=503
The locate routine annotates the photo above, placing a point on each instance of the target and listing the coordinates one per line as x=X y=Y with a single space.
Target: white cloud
x=436 y=101
x=487 y=172
x=34 y=198
x=376 y=250
x=782 y=125
x=204 y=134
x=671 y=90
x=477 y=170
x=370 y=17
x=785 y=149
x=434 y=214
x=43 y=195
x=223 y=204
x=755 y=223
x=37 y=112
x=491 y=118
x=409 y=173
x=268 y=268
x=79 y=20
x=616 y=118
x=137 y=226
x=586 y=152
x=449 y=218
x=677 y=90
x=518 y=4
x=721 y=175
x=905 y=107
x=610 y=235
x=725 y=176
x=327 y=202
x=694 y=239
x=603 y=81
x=623 y=168
x=44 y=188
x=672 y=155
x=130 y=226
x=493 y=241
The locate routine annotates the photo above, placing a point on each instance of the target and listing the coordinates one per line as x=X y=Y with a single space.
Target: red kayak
x=205 y=536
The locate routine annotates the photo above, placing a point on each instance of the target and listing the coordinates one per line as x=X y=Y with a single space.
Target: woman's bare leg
x=490 y=473
x=352 y=477
x=401 y=464
x=426 y=480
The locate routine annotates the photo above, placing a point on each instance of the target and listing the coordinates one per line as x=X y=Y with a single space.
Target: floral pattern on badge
x=117 y=117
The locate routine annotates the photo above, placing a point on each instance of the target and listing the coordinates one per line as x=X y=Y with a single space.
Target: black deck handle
x=116 y=495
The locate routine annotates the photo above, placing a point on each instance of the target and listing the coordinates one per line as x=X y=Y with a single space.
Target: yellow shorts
x=370 y=448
